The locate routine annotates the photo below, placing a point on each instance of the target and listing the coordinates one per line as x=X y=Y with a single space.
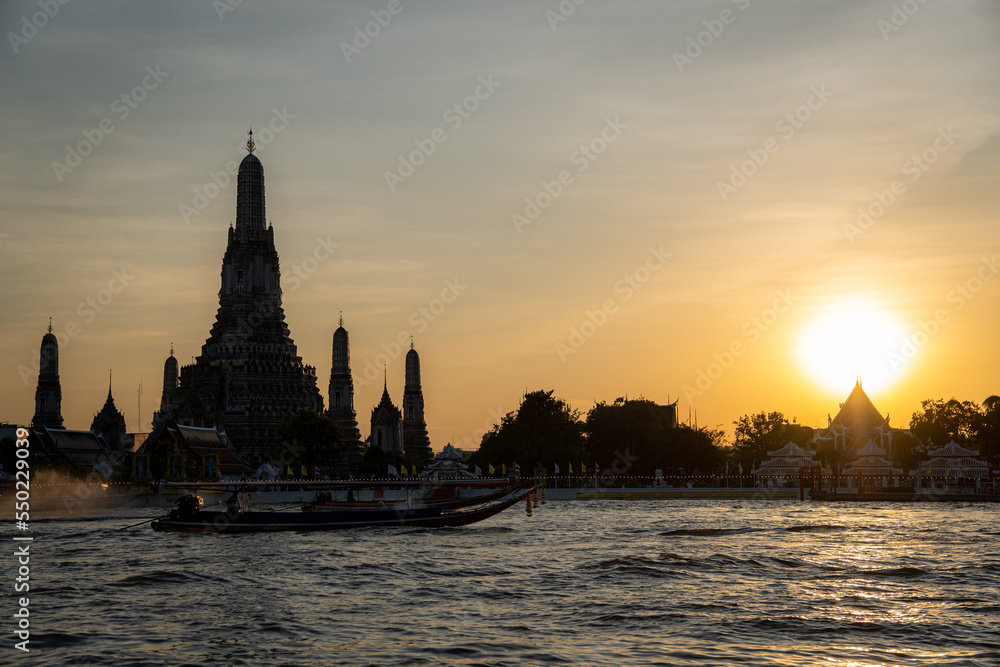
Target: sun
x=853 y=340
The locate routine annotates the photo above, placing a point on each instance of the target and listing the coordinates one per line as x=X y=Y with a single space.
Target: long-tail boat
x=326 y=500
x=189 y=515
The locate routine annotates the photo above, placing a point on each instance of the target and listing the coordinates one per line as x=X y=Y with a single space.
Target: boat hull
x=325 y=520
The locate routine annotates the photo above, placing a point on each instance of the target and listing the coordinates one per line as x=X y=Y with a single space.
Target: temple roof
x=448 y=453
x=870 y=449
x=202 y=442
x=783 y=466
x=793 y=450
x=872 y=465
x=953 y=450
x=858 y=411
x=386 y=405
x=84 y=448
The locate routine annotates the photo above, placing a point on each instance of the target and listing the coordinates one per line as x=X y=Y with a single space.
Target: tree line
x=633 y=437
x=637 y=437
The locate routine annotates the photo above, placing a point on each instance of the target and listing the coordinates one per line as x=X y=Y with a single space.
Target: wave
x=895 y=572
x=808 y=528
x=708 y=532
x=164 y=577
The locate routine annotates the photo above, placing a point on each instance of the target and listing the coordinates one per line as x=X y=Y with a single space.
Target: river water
x=686 y=582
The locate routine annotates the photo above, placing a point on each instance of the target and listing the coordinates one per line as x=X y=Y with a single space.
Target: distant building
x=211 y=452
x=48 y=394
x=670 y=413
x=168 y=399
x=416 y=443
x=341 y=398
x=110 y=424
x=84 y=449
x=447 y=464
x=386 y=424
x=870 y=461
x=249 y=377
x=785 y=461
x=857 y=423
x=953 y=460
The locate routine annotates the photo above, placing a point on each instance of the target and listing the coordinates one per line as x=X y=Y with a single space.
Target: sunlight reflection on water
x=597 y=583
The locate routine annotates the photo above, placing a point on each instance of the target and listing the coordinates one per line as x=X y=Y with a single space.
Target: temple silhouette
x=249 y=377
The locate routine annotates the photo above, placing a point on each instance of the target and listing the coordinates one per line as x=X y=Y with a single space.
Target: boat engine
x=189 y=504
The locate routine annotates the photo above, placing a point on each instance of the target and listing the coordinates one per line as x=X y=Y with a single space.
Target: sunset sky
x=707 y=201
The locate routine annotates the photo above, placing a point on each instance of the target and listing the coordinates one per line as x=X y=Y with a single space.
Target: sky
x=739 y=205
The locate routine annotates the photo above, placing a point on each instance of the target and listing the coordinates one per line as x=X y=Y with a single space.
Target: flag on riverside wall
x=393 y=471
x=305 y=473
x=479 y=473
x=741 y=468
x=597 y=468
x=491 y=468
x=583 y=469
x=571 y=468
x=557 y=467
x=503 y=468
x=517 y=468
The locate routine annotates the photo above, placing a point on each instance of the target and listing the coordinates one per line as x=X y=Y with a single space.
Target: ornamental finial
x=250 y=144
x=411 y=342
x=171 y=348
x=341 y=318
x=50 y=325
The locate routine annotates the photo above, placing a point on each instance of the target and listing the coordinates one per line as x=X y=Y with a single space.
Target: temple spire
x=50 y=325
x=416 y=443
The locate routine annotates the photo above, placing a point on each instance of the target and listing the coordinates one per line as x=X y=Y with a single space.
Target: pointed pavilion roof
x=109 y=416
x=858 y=420
x=870 y=449
x=386 y=406
x=953 y=450
x=858 y=411
x=791 y=450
